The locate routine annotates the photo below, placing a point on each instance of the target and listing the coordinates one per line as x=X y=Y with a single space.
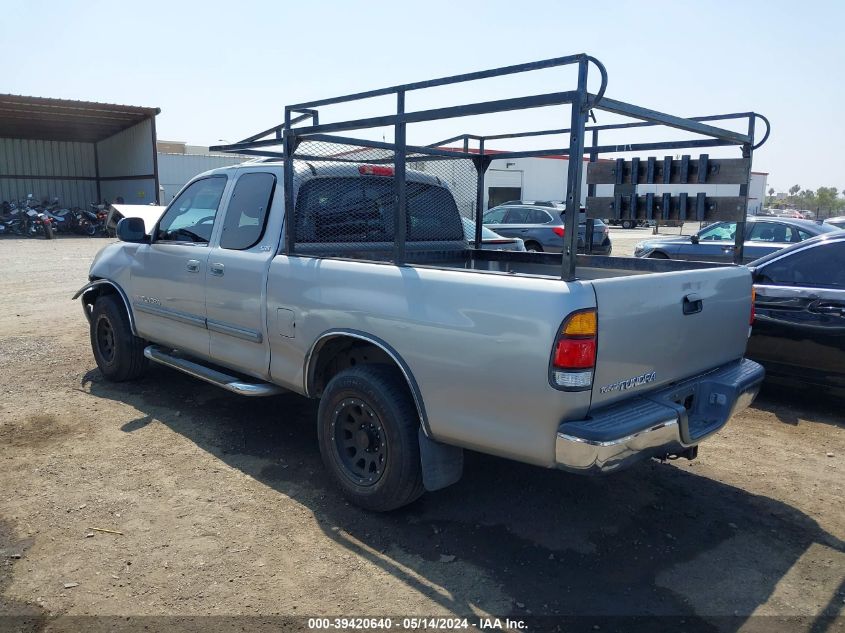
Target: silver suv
x=541 y=227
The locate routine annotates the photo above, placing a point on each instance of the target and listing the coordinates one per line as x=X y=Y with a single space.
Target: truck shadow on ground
x=785 y=400
x=657 y=542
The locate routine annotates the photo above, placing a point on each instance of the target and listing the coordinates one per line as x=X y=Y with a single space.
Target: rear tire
x=533 y=247
x=118 y=352
x=367 y=429
x=628 y=224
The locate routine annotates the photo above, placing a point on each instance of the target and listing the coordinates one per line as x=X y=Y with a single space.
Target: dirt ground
x=224 y=508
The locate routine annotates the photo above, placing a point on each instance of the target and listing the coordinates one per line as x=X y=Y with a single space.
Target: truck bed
x=548 y=265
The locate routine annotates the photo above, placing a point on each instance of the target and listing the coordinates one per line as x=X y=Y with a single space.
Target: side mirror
x=693 y=238
x=131 y=230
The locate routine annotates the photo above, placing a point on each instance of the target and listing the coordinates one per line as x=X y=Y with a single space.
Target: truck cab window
x=246 y=215
x=190 y=217
x=361 y=210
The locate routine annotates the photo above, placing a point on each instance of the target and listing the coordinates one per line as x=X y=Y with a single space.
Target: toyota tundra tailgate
x=658 y=329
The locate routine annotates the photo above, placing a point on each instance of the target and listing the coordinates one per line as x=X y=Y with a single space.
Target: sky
x=225 y=70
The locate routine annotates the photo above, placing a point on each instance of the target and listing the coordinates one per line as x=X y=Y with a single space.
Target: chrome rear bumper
x=667 y=422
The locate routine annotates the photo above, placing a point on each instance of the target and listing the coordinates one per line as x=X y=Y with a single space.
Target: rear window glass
x=360 y=209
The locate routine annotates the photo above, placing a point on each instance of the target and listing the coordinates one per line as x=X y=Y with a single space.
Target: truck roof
x=307 y=170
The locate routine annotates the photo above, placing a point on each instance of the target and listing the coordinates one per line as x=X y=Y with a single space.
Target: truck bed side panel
x=478 y=345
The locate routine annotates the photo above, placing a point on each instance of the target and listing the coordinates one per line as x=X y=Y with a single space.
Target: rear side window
x=518 y=216
x=776 y=232
x=361 y=210
x=536 y=216
x=246 y=216
x=819 y=266
x=495 y=216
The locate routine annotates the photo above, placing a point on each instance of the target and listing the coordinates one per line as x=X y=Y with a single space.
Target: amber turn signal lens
x=581 y=324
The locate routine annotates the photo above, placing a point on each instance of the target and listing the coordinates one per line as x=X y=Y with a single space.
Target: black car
x=798 y=333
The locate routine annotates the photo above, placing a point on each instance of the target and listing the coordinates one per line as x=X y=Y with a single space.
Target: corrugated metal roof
x=66 y=119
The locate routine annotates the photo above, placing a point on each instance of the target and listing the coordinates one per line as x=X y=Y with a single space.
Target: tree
x=826 y=198
x=794 y=189
x=771 y=191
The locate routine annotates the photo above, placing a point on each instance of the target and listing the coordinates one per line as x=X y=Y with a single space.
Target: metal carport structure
x=77 y=151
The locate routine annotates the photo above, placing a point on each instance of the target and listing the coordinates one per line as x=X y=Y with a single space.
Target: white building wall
x=757 y=191
x=542 y=178
x=127 y=153
x=175 y=170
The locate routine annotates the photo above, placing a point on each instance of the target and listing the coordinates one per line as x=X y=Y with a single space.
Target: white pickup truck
x=415 y=362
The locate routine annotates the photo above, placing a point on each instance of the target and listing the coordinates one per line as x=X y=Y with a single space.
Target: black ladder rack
x=623 y=175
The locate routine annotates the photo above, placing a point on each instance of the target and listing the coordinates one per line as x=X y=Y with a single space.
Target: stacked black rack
x=623 y=175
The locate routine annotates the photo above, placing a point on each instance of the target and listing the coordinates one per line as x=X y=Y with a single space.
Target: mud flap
x=442 y=464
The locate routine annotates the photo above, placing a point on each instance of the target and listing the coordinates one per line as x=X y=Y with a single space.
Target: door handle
x=217 y=269
x=692 y=304
x=193 y=265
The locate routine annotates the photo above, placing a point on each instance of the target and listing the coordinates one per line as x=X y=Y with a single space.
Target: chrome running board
x=166 y=357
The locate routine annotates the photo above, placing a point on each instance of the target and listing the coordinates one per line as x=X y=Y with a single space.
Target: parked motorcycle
x=25 y=219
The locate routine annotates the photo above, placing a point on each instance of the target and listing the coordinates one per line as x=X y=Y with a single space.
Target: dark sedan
x=798 y=333
x=715 y=243
x=541 y=227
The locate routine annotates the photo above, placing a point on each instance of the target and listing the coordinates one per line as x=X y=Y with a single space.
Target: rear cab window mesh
x=346 y=201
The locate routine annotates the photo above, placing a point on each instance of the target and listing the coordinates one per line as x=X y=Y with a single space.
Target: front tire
x=118 y=352
x=367 y=428
x=658 y=255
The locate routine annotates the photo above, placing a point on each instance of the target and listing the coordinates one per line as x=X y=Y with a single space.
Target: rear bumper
x=667 y=422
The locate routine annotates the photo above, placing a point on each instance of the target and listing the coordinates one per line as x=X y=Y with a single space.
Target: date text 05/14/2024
x=415 y=623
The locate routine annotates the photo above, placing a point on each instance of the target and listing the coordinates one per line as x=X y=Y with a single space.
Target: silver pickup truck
x=452 y=349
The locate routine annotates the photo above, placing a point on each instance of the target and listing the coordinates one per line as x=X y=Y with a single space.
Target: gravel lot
x=224 y=508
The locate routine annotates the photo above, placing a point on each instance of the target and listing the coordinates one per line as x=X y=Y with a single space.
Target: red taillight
x=559 y=231
x=575 y=352
x=375 y=170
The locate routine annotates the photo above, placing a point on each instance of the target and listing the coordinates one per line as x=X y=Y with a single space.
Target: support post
x=97 y=174
x=400 y=217
x=155 y=162
x=748 y=153
x=288 y=144
x=591 y=191
x=480 y=168
x=580 y=107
